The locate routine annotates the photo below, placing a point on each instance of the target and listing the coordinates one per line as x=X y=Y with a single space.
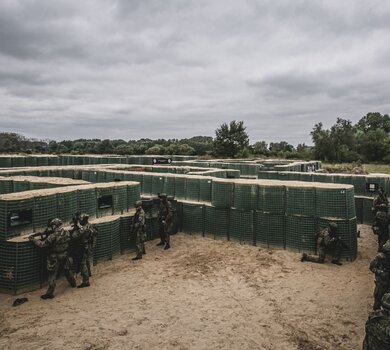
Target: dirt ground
x=201 y=294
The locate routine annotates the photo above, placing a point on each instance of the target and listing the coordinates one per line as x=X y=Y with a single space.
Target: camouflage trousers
x=165 y=231
x=56 y=262
x=85 y=265
x=379 y=291
x=383 y=236
x=335 y=252
x=140 y=242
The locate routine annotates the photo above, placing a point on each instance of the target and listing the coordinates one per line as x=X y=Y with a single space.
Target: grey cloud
x=134 y=69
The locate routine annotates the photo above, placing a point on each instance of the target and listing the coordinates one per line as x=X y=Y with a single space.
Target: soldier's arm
x=374 y=268
x=46 y=242
x=170 y=211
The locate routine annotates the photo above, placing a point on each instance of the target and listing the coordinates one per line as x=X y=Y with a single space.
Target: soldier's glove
x=163 y=222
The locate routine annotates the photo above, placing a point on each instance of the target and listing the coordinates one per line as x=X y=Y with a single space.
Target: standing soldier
x=85 y=233
x=165 y=218
x=57 y=241
x=327 y=243
x=138 y=228
x=379 y=200
x=381 y=225
x=378 y=327
x=380 y=266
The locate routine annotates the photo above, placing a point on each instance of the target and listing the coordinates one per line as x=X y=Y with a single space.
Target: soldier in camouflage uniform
x=380 y=200
x=138 y=227
x=378 y=327
x=327 y=243
x=165 y=220
x=86 y=234
x=57 y=241
x=381 y=225
x=380 y=265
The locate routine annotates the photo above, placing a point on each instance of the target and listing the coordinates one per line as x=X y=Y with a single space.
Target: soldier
x=381 y=199
x=380 y=265
x=381 y=225
x=138 y=227
x=165 y=218
x=86 y=234
x=378 y=327
x=327 y=243
x=57 y=241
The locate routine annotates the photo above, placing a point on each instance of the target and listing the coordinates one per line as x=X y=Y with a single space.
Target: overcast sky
x=136 y=68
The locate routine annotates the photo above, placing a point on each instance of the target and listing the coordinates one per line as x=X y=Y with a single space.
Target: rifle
x=42 y=235
x=343 y=244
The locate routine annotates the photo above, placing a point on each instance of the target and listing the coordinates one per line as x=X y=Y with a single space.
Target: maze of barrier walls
x=260 y=212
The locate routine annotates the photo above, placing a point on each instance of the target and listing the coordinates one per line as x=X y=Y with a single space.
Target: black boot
x=137 y=257
x=84 y=285
x=47 y=296
x=304 y=257
x=167 y=246
x=336 y=262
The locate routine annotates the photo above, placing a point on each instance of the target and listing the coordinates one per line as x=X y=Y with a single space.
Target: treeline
x=368 y=140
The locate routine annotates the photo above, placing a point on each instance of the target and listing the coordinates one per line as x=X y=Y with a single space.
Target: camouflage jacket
x=165 y=212
x=380 y=265
x=139 y=219
x=377 y=331
x=57 y=241
x=86 y=235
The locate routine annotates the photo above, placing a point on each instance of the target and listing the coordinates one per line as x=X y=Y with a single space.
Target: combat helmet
x=56 y=222
x=138 y=204
x=84 y=217
x=386 y=301
x=333 y=226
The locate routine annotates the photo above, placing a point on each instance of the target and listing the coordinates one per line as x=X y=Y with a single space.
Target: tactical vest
x=61 y=242
x=378 y=330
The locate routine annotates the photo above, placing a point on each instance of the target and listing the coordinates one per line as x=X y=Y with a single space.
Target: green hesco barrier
x=6 y=186
x=263 y=174
x=16 y=217
x=127 y=239
x=18 y=162
x=105 y=242
x=101 y=176
x=368 y=215
x=205 y=190
x=301 y=233
x=157 y=184
x=69 y=173
x=272 y=199
x=42 y=161
x=222 y=193
x=31 y=161
x=193 y=218
x=306 y=177
x=347 y=231
x=286 y=176
x=137 y=177
x=104 y=210
x=246 y=196
x=21 y=186
x=209 y=221
x=147 y=184
x=45 y=208
x=152 y=229
x=301 y=201
x=133 y=194
x=241 y=226
x=21 y=266
x=169 y=185
x=270 y=229
x=359 y=209
x=53 y=161
x=192 y=189
x=359 y=184
x=86 y=175
x=335 y=202
x=115 y=237
x=120 y=200
x=67 y=205
x=180 y=187
x=87 y=202
x=216 y=223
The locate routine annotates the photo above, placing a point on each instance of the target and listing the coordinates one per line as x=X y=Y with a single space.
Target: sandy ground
x=202 y=294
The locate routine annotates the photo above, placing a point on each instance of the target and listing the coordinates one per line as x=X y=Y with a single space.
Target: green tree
x=231 y=139
x=260 y=148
